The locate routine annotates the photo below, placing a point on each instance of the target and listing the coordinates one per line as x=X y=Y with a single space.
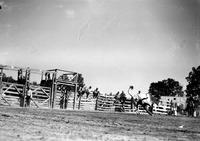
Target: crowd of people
x=136 y=98
x=88 y=91
x=192 y=103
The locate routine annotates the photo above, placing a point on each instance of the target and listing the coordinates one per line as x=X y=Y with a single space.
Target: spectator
x=96 y=93
x=122 y=99
x=190 y=106
x=21 y=99
x=61 y=100
x=87 y=91
x=117 y=96
x=28 y=96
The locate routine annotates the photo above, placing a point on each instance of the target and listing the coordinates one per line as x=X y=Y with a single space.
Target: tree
x=168 y=87
x=193 y=79
x=8 y=79
x=173 y=87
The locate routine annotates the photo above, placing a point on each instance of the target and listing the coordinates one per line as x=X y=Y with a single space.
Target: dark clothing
x=95 y=94
x=28 y=101
x=64 y=101
x=190 y=106
x=122 y=101
x=139 y=102
x=87 y=93
x=21 y=100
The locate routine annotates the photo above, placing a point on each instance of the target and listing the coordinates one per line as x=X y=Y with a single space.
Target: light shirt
x=29 y=93
x=132 y=93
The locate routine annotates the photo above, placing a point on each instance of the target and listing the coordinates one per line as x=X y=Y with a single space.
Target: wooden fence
x=108 y=103
x=41 y=96
x=67 y=103
x=12 y=95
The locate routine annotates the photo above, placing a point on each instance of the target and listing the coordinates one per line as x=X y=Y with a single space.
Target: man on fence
x=136 y=98
x=84 y=90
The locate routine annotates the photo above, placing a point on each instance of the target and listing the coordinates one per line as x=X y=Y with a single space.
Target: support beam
x=53 y=89
x=27 y=78
x=1 y=83
x=75 y=93
x=76 y=90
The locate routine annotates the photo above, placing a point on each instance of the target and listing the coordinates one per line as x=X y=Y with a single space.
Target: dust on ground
x=22 y=124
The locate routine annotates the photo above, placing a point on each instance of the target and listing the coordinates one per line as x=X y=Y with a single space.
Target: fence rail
x=11 y=93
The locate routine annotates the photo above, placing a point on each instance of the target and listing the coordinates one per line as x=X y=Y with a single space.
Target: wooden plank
x=16 y=84
x=5 y=101
x=15 y=94
x=7 y=89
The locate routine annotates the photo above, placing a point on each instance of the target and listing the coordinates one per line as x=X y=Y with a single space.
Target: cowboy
x=87 y=91
x=133 y=95
x=141 y=97
x=137 y=98
x=29 y=96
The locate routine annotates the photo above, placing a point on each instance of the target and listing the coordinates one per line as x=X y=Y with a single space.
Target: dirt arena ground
x=23 y=124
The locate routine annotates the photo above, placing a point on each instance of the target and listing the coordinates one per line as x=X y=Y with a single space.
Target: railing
x=12 y=95
x=41 y=96
x=61 y=102
x=105 y=103
x=159 y=109
x=108 y=103
x=12 y=92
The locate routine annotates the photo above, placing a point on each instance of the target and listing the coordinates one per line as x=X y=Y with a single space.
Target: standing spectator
x=175 y=109
x=80 y=91
x=29 y=96
x=61 y=100
x=117 y=96
x=196 y=104
x=190 y=106
x=171 y=111
x=122 y=99
x=64 y=97
x=96 y=93
x=21 y=99
x=87 y=91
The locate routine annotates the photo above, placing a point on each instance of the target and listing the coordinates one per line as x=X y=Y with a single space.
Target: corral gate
x=13 y=94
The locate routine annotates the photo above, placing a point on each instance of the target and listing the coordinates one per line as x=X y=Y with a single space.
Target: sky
x=113 y=43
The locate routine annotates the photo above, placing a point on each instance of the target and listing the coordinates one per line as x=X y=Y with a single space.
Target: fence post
x=75 y=92
x=74 y=100
x=96 y=104
x=79 y=102
x=53 y=89
x=1 y=84
x=27 y=78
